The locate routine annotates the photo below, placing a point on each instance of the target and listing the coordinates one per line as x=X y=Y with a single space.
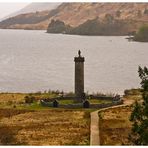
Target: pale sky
x=8 y=8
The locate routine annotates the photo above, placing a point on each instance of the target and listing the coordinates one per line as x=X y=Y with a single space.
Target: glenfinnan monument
x=79 y=77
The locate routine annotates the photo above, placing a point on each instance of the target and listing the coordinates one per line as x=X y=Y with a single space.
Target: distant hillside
x=24 y=21
x=108 y=26
x=34 y=7
x=75 y=14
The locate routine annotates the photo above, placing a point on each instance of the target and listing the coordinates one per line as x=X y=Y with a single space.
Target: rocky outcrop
x=57 y=26
x=109 y=26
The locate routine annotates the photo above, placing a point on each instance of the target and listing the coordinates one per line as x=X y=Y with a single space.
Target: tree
x=118 y=13
x=142 y=34
x=146 y=11
x=109 y=18
x=139 y=115
x=139 y=13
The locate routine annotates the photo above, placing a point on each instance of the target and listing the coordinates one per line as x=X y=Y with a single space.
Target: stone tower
x=79 y=77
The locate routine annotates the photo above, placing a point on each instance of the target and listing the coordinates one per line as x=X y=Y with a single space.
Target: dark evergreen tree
x=139 y=115
x=142 y=34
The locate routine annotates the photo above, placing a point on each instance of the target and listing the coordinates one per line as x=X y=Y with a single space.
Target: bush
x=38 y=93
x=9 y=102
x=118 y=13
x=55 y=103
x=146 y=11
x=86 y=104
x=29 y=99
x=132 y=92
x=69 y=94
x=142 y=34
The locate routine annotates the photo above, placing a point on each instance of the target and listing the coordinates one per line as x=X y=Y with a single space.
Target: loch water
x=33 y=61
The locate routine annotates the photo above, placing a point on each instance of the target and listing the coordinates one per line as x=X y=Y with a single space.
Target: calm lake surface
x=31 y=61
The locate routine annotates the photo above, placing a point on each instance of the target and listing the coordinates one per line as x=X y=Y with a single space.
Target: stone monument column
x=79 y=77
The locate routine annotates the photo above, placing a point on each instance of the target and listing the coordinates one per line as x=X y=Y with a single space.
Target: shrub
x=118 y=13
x=55 y=103
x=142 y=34
x=9 y=102
x=132 y=92
x=86 y=104
x=29 y=99
x=146 y=11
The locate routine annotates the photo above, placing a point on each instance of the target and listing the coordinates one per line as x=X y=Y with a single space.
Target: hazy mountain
x=75 y=14
x=33 y=7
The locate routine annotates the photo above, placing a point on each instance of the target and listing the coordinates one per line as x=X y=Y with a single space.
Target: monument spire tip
x=79 y=53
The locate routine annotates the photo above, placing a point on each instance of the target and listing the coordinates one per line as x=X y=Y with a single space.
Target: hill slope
x=33 y=7
x=74 y=14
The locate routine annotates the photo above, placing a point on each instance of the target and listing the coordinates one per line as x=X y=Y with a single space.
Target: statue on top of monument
x=79 y=53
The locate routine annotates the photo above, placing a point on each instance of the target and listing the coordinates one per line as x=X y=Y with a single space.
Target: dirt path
x=94 y=136
x=94 y=127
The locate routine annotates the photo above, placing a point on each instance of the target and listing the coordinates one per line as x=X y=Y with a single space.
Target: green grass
x=96 y=101
x=16 y=100
x=43 y=95
x=32 y=106
x=66 y=101
x=92 y=101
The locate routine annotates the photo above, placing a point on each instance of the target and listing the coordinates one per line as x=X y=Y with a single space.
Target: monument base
x=78 y=100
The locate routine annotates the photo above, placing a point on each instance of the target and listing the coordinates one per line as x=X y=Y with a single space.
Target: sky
x=8 y=8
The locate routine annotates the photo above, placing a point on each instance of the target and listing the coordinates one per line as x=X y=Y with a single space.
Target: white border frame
x=41 y=1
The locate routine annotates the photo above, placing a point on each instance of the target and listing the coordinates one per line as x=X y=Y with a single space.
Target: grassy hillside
x=9 y=100
x=32 y=124
x=115 y=126
x=114 y=123
x=46 y=127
